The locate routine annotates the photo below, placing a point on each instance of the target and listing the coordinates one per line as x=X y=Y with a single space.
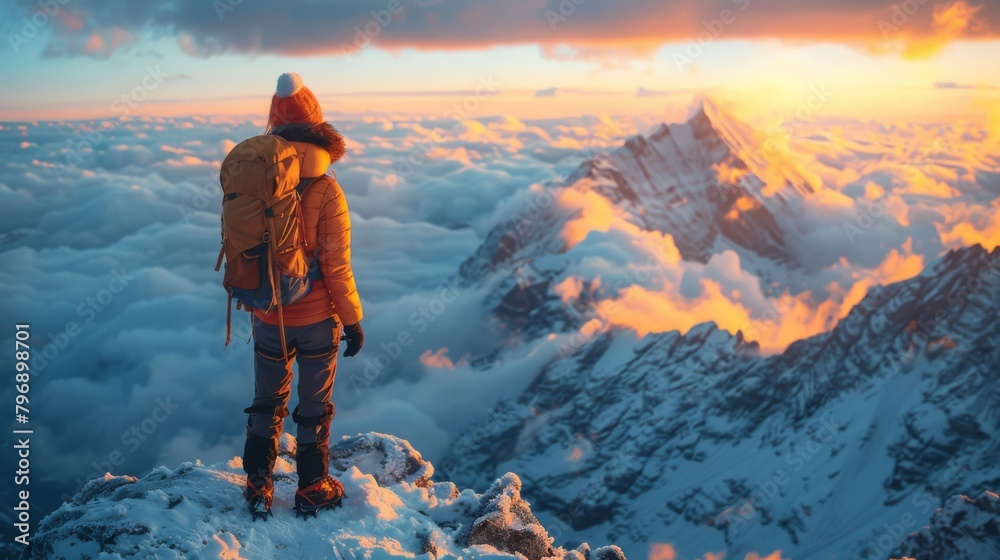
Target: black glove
x=355 y=339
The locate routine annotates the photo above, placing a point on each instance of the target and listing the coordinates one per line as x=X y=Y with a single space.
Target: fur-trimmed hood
x=322 y=135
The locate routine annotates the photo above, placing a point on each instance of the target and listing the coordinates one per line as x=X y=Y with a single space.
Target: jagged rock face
x=672 y=182
x=702 y=182
x=963 y=529
x=698 y=441
x=699 y=181
x=391 y=509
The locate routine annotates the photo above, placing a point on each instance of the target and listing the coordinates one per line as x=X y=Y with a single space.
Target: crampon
x=325 y=493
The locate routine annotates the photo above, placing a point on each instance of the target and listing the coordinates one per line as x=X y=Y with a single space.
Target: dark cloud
x=304 y=27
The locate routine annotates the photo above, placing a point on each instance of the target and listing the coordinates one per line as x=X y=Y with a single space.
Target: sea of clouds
x=111 y=230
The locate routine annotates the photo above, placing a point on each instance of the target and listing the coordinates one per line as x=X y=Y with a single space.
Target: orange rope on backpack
x=275 y=286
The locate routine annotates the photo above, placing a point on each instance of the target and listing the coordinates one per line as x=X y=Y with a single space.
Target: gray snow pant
x=314 y=347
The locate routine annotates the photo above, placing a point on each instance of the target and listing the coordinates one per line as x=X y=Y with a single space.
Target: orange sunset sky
x=905 y=61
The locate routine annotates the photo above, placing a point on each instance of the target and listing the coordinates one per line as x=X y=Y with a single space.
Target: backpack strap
x=272 y=276
x=222 y=253
x=222 y=250
x=229 y=319
x=302 y=188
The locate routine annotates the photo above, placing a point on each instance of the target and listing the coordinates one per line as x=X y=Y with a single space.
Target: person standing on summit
x=312 y=325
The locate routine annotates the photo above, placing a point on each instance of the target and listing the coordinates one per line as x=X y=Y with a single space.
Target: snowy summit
x=392 y=508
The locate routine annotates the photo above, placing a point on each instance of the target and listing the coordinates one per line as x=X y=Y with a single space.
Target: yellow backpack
x=263 y=236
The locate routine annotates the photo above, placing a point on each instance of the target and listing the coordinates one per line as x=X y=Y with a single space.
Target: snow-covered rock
x=507 y=522
x=391 y=509
x=389 y=459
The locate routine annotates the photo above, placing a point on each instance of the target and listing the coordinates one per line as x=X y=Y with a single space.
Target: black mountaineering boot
x=327 y=492
x=259 y=456
x=317 y=489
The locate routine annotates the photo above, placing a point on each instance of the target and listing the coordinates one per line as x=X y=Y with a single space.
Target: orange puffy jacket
x=328 y=233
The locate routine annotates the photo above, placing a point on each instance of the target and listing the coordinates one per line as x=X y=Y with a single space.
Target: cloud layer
x=112 y=231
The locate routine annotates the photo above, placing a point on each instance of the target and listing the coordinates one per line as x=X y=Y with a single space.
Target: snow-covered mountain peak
x=688 y=191
x=391 y=509
x=712 y=119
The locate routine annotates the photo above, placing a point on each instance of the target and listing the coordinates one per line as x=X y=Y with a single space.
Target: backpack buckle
x=267 y=237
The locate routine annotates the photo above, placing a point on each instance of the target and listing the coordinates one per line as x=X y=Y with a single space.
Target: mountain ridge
x=898 y=389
